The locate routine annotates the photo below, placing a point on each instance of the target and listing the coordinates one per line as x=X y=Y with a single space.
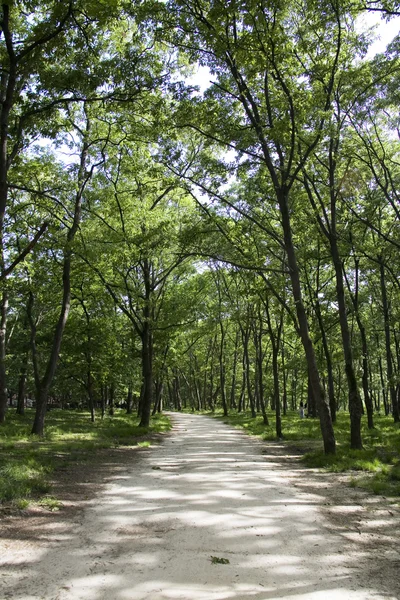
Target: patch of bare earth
x=74 y=485
x=368 y=524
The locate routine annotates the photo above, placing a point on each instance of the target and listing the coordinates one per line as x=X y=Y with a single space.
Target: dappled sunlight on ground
x=207 y=491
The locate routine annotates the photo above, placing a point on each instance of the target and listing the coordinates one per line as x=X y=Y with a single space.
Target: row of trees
x=238 y=246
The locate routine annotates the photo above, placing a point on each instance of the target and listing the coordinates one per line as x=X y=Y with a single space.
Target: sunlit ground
x=206 y=492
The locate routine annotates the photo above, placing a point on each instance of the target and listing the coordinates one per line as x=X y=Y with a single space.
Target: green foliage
x=217 y=560
x=145 y=444
x=51 y=503
x=26 y=462
x=21 y=477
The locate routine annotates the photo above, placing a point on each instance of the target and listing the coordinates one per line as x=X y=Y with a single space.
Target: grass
x=217 y=560
x=50 y=503
x=26 y=461
x=378 y=463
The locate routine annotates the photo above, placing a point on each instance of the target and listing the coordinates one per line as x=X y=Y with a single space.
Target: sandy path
x=206 y=491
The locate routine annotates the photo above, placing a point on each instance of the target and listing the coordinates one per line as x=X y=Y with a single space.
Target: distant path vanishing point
x=203 y=516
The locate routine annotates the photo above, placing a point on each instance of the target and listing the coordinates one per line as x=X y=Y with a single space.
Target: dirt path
x=211 y=491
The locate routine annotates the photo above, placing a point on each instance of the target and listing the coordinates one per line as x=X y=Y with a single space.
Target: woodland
x=232 y=248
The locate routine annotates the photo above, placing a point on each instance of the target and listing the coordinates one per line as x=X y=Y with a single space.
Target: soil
x=205 y=513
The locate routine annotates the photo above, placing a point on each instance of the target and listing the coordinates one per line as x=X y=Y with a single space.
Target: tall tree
x=274 y=79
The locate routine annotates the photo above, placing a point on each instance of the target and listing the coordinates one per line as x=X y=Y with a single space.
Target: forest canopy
x=234 y=247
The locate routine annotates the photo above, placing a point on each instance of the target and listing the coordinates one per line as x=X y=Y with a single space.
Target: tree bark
x=318 y=391
x=232 y=400
x=3 y=381
x=22 y=383
x=389 y=363
x=364 y=345
x=355 y=405
x=328 y=360
x=43 y=386
x=129 y=400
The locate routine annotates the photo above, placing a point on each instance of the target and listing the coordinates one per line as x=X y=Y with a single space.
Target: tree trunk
x=311 y=404
x=147 y=374
x=260 y=379
x=21 y=385
x=232 y=400
x=157 y=408
x=111 y=400
x=8 y=88
x=129 y=400
x=222 y=376
x=248 y=380
x=389 y=364
x=90 y=392
x=147 y=349
x=328 y=360
x=177 y=392
x=318 y=391
x=103 y=400
x=277 y=401
x=241 y=405
x=3 y=382
x=355 y=405
x=284 y=380
x=44 y=385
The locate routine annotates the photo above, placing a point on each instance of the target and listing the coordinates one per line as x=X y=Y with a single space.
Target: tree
x=272 y=93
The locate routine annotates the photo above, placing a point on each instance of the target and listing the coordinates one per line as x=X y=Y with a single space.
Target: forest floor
x=205 y=513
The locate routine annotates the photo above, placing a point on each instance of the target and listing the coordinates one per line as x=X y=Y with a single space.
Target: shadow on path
x=207 y=491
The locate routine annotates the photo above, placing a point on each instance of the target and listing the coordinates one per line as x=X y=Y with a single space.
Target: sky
x=385 y=32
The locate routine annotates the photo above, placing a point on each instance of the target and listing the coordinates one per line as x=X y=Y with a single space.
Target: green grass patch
x=26 y=461
x=377 y=465
x=145 y=444
x=50 y=503
x=218 y=560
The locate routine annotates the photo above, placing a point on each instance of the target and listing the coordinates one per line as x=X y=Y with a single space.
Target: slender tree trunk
x=159 y=386
x=241 y=405
x=147 y=349
x=222 y=375
x=111 y=400
x=147 y=374
x=319 y=394
x=88 y=356
x=232 y=401
x=293 y=388
x=284 y=380
x=275 y=336
x=7 y=91
x=3 y=377
x=365 y=375
x=103 y=400
x=21 y=385
x=177 y=391
x=277 y=401
x=328 y=360
x=389 y=363
x=383 y=387
x=90 y=391
x=248 y=378
x=259 y=374
x=45 y=383
x=129 y=399
x=355 y=405
x=311 y=404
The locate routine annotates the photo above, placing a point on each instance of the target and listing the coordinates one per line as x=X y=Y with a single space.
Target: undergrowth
x=26 y=461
